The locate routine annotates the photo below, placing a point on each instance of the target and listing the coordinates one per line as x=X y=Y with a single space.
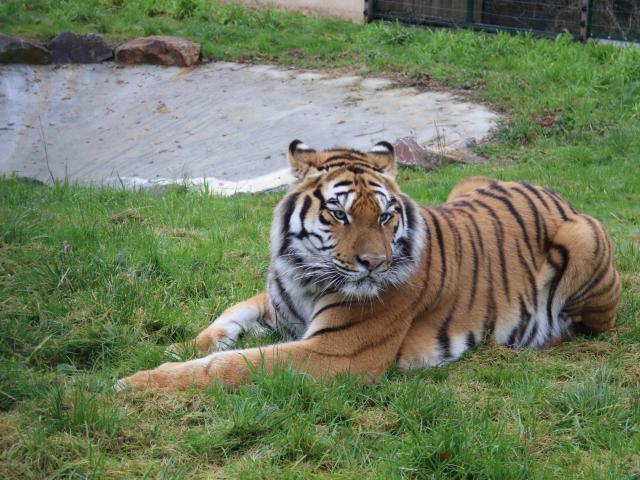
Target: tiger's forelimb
x=317 y=356
x=252 y=315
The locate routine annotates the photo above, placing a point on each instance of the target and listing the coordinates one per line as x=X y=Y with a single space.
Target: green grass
x=94 y=284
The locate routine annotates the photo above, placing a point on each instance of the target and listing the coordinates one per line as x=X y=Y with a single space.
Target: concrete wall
x=342 y=9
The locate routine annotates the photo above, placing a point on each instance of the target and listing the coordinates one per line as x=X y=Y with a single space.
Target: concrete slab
x=223 y=124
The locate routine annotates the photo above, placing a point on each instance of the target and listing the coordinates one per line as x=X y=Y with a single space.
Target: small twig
x=63 y=277
x=39 y=346
x=46 y=153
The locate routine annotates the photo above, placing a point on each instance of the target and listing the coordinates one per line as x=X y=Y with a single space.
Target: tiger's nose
x=370 y=262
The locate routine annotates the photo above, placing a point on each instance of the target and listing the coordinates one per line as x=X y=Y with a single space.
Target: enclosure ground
x=224 y=125
x=96 y=283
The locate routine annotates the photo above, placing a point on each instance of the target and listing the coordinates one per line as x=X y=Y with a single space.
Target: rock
x=410 y=153
x=159 y=50
x=463 y=155
x=69 y=47
x=21 y=50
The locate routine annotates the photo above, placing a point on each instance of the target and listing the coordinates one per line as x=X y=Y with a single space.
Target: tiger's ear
x=302 y=158
x=384 y=156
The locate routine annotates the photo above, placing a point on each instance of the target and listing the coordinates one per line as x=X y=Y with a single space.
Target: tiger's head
x=345 y=226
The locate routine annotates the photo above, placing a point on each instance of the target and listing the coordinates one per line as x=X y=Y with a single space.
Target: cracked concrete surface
x=224 y=124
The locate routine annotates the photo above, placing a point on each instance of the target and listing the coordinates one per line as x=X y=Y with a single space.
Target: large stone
x=159 y=50
x=411 y=154
x=69 y=47
x=21 y=50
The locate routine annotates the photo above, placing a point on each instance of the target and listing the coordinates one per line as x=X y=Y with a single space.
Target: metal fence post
x=585 y=20
x=470 y=8
x=368 y=11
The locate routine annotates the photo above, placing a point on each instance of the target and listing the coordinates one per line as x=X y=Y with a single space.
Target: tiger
x=362 y=278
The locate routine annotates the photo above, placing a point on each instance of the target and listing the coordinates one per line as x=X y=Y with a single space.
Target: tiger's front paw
x=173 y=376
x=138 y=381
x=213 y=339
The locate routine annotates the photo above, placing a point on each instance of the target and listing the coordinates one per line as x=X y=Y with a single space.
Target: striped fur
x=362 y=277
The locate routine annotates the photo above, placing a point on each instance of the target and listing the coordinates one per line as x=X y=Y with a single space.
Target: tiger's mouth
x=363 y=284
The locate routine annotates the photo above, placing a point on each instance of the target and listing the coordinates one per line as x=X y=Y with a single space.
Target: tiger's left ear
x=303 y=160
x=384 y=156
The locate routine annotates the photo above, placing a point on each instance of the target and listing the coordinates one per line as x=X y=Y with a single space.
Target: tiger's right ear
x=302 y=158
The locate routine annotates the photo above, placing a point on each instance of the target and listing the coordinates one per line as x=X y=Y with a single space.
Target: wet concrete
x=224 y=124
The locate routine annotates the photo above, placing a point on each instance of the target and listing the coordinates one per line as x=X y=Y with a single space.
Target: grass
x=95 y=283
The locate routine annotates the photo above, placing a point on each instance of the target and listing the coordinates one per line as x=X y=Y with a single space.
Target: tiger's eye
x=339 y=214
x=384 y=218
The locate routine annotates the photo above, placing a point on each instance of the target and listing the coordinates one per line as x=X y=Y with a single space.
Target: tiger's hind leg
x=252 y=315
x=579 y=287
x=592 y=305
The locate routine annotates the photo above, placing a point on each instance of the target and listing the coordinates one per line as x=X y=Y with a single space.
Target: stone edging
x=69 y=47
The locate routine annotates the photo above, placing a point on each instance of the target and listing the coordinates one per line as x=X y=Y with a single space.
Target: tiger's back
x=514 y=262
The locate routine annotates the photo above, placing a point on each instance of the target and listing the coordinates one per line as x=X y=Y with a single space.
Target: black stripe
x=530 y=276
x=283 y=325
x=443 y=337
x=306 y=204
x=361 y=349
x=349 y=162
x=337 y=328
x=356 y=170
x=323 y=220
x=348 y=155
x=443 y=258
x=532 y=335
x=318 y=194
x=536 y=216
x=287 y=299
x=499 y=231
x=471 y=339
x=500 y=188
x=428 y=257
x=331 y=305
x=490 y=315
x=599 y=273
x=343 y=183
x=525 y=318
x=607 y=287
x=374 y=184
x=475 y=227
x=564 y=253
x=464 y=203
x=514 y=213
x=457 y=242
x=596 y=234
x=474 y=268
x=289 y=208
x=535 y=191
x=350 y=165
x=573 y=210
x=511 y=341
x=561 y=211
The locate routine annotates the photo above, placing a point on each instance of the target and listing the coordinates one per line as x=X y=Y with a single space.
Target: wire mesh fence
x=612 y=19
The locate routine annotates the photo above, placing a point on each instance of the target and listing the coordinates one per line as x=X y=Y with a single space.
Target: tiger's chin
x=372 y=286
x=363 y=288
